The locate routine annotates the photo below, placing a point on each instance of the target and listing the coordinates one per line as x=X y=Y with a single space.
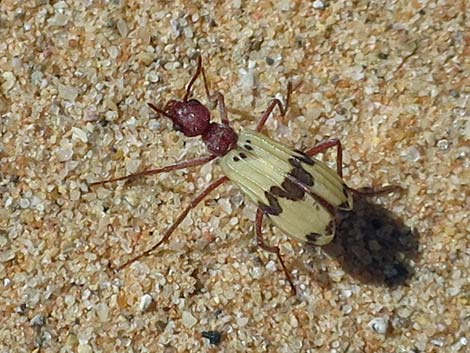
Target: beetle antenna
x=160 y=111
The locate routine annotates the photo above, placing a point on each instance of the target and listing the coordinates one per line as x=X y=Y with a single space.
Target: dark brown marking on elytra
x=236 y=159
x=305 y=180
x=299 y=173
x=273 y=208
x=242 y=155
x=304 y=158
x=313 y=237
x=294 y=162
x=293 y=190
x=277 y=191
x=330 y=227
x=344 y=205
x=288 y=190
x=248 y=147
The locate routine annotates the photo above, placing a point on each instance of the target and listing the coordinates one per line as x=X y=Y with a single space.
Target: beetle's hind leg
x=368 y=191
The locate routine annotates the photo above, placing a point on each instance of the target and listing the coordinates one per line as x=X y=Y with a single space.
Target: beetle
x=299 y=194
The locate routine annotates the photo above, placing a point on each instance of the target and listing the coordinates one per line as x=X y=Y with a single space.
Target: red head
x=190 y=117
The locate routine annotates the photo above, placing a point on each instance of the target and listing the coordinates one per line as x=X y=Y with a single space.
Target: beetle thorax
x=220 y=139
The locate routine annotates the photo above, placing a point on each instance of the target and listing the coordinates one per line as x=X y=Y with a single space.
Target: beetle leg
x=216 y=97
x=268 y=111
x=274 y=102
x=272 y=105
x=368 y=191
x=168 y=168
x=271 y=249
x=180 y=219
x=323 y=146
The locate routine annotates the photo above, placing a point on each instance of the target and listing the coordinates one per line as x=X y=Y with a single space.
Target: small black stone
x=214 y=337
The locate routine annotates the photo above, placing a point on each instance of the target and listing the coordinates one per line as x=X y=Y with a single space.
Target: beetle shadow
x=374 y=246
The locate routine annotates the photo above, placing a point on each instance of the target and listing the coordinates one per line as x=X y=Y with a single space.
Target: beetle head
x=190 y=117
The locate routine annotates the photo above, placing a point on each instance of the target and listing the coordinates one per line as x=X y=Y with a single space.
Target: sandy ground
x=389 y=78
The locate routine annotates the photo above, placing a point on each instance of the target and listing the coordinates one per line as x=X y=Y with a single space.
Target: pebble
x=84 y=348
x=271 y=266
x=122 y=27
x=411 y=154
x=25 y=203
x=188 y=319
x=7 y=255
x=319 y=5
x=102 y=311
x=79 y=134
x=145 y=302
x=65 y=152
x=67 y=92
x=242 y=321
x=379 y=325
x=9 y=81
x=443 y=144
x=58 y=20
x=37 y=320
